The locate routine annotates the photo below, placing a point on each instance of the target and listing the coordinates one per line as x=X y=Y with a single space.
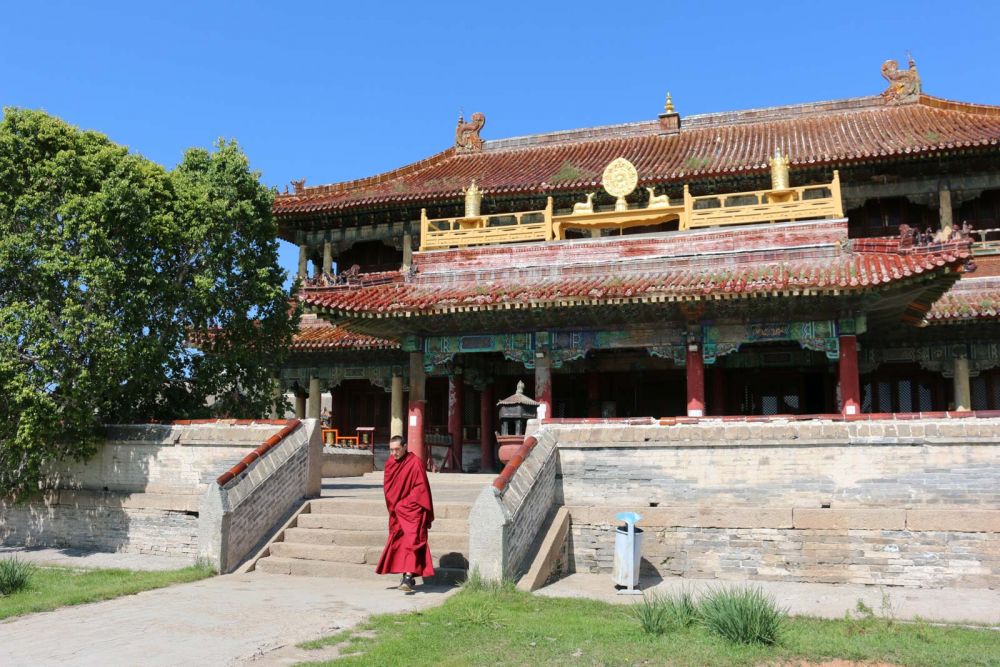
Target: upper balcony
x=781 y=203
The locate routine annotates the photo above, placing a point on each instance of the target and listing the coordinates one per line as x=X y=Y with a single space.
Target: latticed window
x=904 y=391
x=985 y=390
x=884 y=397
x=980 y=393
x=925 y=397
x=903 y=388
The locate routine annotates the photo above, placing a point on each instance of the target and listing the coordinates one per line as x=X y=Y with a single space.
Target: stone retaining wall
x=142 y=492
x=915 y=503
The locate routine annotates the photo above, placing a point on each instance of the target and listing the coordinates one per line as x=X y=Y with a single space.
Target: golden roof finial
x=669 y=106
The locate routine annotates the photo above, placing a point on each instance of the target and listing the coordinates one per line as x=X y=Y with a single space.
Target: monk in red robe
x=411 y=511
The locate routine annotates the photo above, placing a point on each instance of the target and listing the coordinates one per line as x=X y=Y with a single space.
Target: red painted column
x=486 y=428
x=695 y=381
x=456 y=393
x=718 y=391
x=416 y=405
x=593 y=395
x=847 y=367
x=543 y=386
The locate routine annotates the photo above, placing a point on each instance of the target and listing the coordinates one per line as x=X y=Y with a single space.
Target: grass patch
x=476 y=583
x=742 y=615
x=512 y=628
x=15 y=575
x=652 y=613
x=54 y=587
x=332 y=640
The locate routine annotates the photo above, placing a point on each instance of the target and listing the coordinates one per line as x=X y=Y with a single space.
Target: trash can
x=628 y=551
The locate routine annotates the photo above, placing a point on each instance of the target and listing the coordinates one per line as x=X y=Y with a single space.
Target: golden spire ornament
x=669 y=106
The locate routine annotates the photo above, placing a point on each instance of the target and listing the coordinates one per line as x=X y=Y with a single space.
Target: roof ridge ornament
x=670 y=120
x=467 y=138
x=904 y=84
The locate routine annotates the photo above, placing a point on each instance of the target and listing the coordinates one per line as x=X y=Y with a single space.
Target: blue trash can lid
x=628 y=517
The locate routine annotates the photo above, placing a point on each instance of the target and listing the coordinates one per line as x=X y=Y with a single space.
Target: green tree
x=111 y=268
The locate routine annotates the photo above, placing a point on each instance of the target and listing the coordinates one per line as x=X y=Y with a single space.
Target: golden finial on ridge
x=669 y=106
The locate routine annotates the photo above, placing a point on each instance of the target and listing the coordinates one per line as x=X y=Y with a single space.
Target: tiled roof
x=970 y=299
x=790 y=259
x=316 y=335
x=826 y=133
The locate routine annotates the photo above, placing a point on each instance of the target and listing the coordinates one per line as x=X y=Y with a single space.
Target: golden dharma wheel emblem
x=620 y=179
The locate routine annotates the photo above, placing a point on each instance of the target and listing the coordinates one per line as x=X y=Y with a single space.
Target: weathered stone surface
x=696 y=517
x=966 y=521
x=837 y=519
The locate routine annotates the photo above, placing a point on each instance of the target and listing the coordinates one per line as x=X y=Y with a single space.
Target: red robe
x=411 y=511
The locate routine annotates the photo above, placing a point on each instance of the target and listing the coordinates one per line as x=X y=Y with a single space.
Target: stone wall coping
x=502 y=480
x=267 y=445
x=763 y=419
x=759 y=443
x=954 y=519
x=602 y=434
x=197 y=433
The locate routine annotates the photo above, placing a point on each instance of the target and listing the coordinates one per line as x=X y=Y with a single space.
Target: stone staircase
x=344 y=537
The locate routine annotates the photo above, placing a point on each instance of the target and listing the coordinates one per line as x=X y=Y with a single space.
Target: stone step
x=330 y=552
x=371 y=538
x=357 y=555
x=376 y=507
x=322 y=568
x=356 y=522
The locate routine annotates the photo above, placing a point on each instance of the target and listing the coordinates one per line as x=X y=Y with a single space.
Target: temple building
x=833 y=258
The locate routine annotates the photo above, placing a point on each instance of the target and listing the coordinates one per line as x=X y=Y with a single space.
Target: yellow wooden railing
x=808 y=202
x=486 y=229
x=740 y=208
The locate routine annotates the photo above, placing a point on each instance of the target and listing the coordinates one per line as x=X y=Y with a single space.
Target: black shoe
x=407 y=583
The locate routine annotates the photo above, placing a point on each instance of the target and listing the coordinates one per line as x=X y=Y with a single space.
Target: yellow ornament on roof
x=619 y=179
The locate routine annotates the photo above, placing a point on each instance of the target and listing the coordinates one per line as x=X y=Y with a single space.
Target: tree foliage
x=109 y=266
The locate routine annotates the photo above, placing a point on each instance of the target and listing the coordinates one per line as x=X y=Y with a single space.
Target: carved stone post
x=303 y=262
x=315 y=396
x=396 y=407
x=963 y=393
x=407 y=251
x=327 y=257
x=944 y=209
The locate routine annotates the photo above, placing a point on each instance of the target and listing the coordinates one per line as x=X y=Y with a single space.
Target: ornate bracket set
x=671 y=343
x=332 y=375
x=940 y=358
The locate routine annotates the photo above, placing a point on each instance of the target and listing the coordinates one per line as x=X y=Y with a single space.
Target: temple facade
x=831 y=258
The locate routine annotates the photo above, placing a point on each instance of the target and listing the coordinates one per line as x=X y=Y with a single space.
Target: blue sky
x=334 y=91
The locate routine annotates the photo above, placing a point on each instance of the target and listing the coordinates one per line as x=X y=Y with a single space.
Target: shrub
x=682 y=609
x=15 y=575
x=742 y=616
x=653 y=613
